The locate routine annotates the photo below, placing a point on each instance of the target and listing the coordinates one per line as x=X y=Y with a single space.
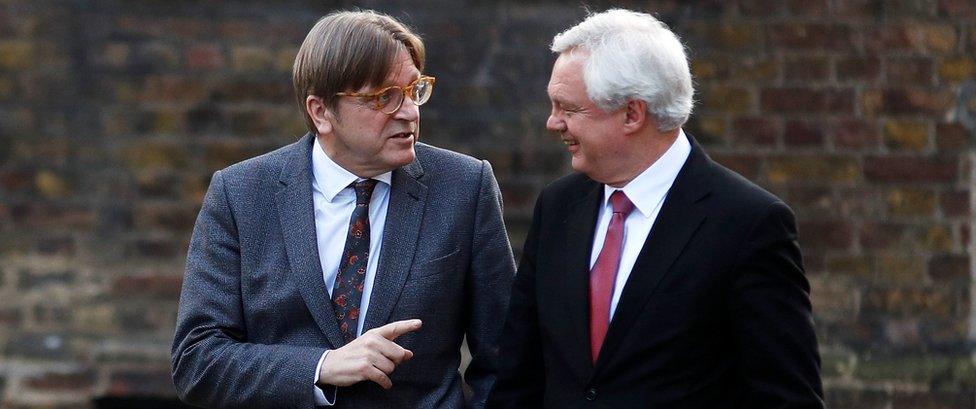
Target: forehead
x=567 y=75
x=402 y=68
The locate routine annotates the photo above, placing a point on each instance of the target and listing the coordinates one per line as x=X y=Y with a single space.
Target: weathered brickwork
x=114 y=114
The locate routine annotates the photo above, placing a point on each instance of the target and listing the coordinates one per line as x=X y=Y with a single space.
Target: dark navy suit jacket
x=255 y=315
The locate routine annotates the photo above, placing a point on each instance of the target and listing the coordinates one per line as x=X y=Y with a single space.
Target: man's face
x=594 y=138
x=368 y=142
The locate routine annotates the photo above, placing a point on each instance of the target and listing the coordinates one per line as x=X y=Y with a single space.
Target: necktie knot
x=364 y=191
x=621 y=204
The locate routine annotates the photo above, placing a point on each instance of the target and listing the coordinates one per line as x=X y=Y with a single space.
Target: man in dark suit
x=346 y=268
x=653 y=277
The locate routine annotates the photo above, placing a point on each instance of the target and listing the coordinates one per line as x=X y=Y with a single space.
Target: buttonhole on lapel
x=414 y=196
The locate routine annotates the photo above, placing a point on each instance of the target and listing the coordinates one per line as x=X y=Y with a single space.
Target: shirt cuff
x=320 y=393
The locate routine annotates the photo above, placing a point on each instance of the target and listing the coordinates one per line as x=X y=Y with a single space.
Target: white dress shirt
x=334 y=200
x=647 y=191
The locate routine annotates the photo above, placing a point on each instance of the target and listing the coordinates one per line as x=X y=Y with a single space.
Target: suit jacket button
x=591 y=394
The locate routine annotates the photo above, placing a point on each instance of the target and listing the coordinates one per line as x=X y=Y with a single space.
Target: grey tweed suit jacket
x=255 y=315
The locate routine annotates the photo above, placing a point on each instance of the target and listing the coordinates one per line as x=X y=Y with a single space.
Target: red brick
x=825 y=234
x=17 y=180
x=175 y=88
x=744 y=164
x=932 y=399
x=63 y=245
x=951 y=138
x=859 y=9
x=759 y=131
x=971 y=47
x=11 y=317
x=854 y=133
x=755 y=69
x=875 y=235
x=727 y=36
x=893 y=37
x=61 y=381
x=177 y=218
x=238 y=89
x=140 y=382
x=761 y=8
x=154 y=248
x=800 y=133
x=812 y=201
x=808 y=8
x=910 y=70
x=949 y=268
x=940 y=38
x=204 y=57
x=810 y=36
x=53 y=215
x=794 y=100
x=154 y=286
x=955 y=203
x=909 y=9
x=957 y=9
x=908 y=302
x=846 y=396
x=806 y=69
x=709 y=129
x=910 y=169
x=705 y=68
x=914 y=101
x=911 y=202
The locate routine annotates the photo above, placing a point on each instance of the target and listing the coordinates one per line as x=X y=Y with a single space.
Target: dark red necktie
x=604 y=272
x=348 y=290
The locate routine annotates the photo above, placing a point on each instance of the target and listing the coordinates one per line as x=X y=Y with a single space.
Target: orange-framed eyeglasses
x=388 y=100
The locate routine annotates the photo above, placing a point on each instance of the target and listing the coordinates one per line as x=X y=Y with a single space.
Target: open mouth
x=402 y=135
x=569 y=142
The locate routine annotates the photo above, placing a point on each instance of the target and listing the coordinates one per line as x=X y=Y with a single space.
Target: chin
x=403 y=158
x=578 y=165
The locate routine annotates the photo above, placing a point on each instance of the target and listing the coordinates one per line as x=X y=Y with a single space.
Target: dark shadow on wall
x=138 y=402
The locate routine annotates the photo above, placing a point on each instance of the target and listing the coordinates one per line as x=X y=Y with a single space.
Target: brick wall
x=114 y=114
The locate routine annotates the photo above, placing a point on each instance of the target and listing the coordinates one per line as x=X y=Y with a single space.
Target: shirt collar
x=648 y=189
x=330 y=178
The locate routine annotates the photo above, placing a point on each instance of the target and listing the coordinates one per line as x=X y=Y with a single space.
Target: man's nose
x=555 y=124
x=408 y=111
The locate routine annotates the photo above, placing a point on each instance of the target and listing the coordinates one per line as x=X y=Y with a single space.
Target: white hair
x=632 y=56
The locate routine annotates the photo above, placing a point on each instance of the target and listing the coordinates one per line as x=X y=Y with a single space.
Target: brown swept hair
x=347 y=50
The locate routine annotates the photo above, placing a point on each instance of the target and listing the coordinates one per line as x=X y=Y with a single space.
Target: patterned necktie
x=348 y=290
x=604 y=272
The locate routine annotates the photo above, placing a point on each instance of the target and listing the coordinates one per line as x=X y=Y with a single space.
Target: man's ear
x=635 y=115
x=321 y=115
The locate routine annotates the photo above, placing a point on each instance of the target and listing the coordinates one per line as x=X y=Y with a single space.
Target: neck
x=643 y=155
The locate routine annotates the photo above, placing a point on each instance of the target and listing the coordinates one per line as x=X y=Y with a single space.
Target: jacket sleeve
x=772 y=318
x=521 y=374
x=488 y=281
x=213 y=363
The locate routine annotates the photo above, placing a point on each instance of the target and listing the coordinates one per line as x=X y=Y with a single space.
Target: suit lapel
x=404 y=216
x=580 y=224
x=678 y=220
x=297 y=218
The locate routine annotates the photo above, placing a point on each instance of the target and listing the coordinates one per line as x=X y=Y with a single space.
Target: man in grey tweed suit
x=346 y=268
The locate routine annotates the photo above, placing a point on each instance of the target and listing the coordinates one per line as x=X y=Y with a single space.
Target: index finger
x=394 y=329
